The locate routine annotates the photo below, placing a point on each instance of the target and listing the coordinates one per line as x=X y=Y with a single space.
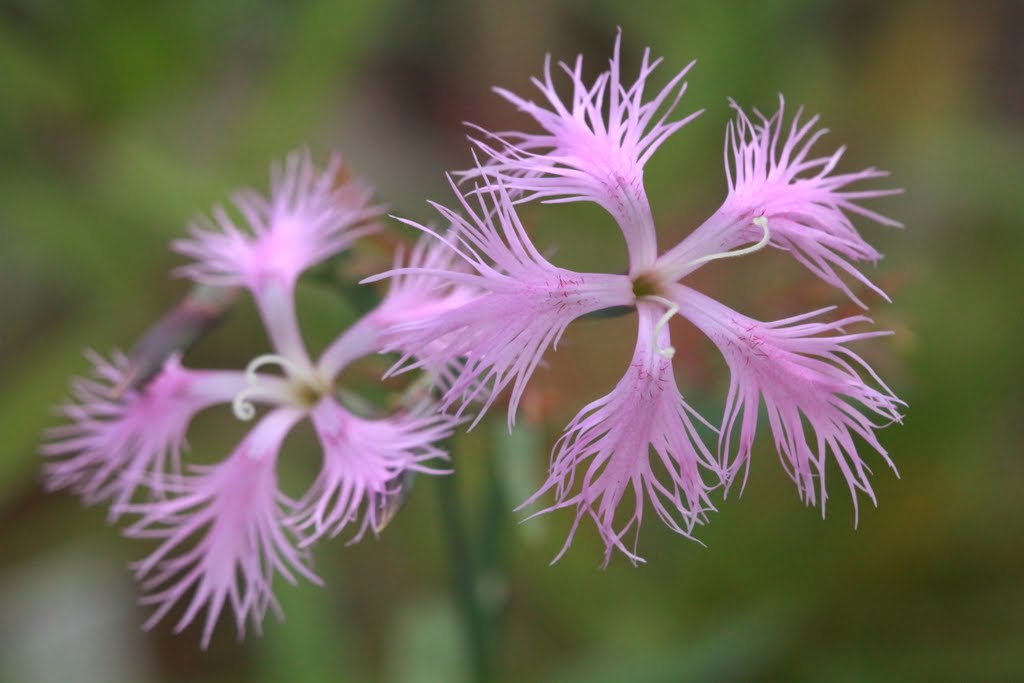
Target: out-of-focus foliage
x=119 y=120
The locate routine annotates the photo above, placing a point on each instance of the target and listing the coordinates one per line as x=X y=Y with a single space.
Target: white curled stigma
x=673 y=308
x=761 y=222
x=290 y=367
x=242 y=407
x=241 y=404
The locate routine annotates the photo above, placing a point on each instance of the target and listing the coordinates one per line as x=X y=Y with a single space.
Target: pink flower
x=121 y=445
x=113 y=442
x=235 y=513
x=803 y=201
x=641 y=439
x=412 y=296
x=524 y=304
x=364 y=461
x=308 y=218
x=804 y=372
x=612 y=438
x=593 y=148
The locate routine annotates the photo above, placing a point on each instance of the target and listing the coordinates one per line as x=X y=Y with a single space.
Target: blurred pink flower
x=641 y=438
x=225 y=523
x=112 y=443
x=227 y=529
x=308 y=218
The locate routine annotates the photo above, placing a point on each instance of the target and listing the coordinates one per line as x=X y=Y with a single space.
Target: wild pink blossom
x=523 y=305
x=363 y=459
x=593 y=147
x=226 y=525
x=113 y=442
x=803 y=371
x=226 y=530
x=641 y=438
x=612 y=439
x=772 y=175
x=308 y=218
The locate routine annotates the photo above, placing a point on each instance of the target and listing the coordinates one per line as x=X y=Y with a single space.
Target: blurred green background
x=119 y=120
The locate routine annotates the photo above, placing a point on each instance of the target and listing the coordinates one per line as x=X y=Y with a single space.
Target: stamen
x=673 y=308
x=241 y=404
x=258 y=362
x=761 y=222
x=242 y=407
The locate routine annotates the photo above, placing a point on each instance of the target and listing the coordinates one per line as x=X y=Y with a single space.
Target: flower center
x=300 y=386
x=645 y=284
x=649 y=286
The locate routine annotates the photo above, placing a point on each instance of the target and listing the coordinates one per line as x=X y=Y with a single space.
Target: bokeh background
x=119 y=120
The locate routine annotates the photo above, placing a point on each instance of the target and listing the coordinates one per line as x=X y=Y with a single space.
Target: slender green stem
x=492 y=556
x=465 y=580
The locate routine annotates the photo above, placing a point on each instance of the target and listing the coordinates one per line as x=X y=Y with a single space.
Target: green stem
x=464 y=580
x=492 y=555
